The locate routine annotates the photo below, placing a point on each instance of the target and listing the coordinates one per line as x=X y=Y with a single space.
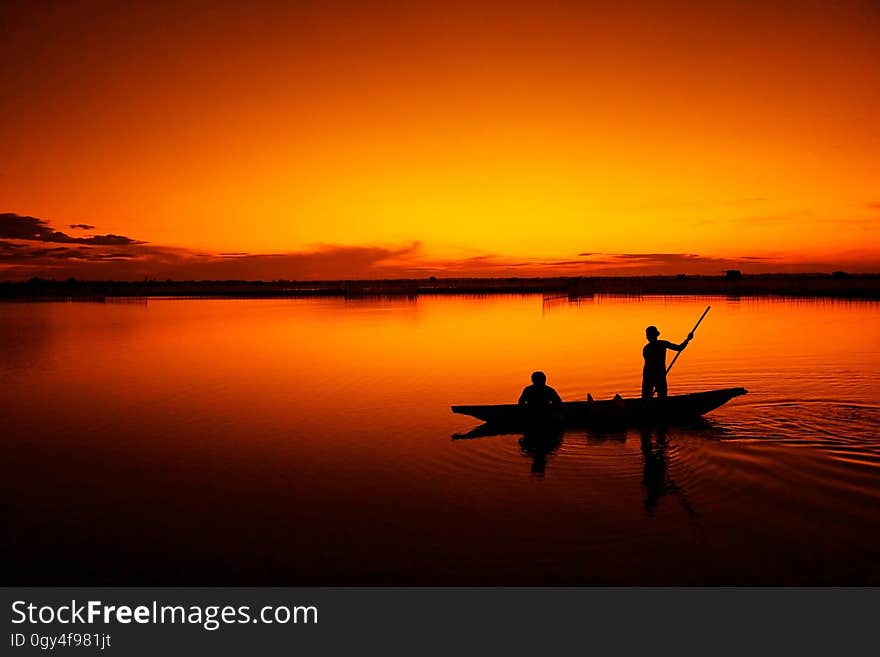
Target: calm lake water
x=310 y=442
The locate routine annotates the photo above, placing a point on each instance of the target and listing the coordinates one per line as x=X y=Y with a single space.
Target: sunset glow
x=251 y=140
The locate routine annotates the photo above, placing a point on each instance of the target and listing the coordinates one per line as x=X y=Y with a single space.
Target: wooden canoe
x=675 y=408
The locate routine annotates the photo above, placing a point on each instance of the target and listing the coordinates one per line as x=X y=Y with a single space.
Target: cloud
x=32 y=229
x=12 y=253
x=675 y=258
x=29 y=247
x=635 y=264
x=81 y=227
x=793 y=217
x=32 y=248
x=665 y=260
x=321 y=261
x=667 y=204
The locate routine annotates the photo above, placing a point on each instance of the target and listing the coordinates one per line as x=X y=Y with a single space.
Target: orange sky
x=367 y=139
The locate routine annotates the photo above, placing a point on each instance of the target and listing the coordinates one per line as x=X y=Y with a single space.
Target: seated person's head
x=539 y=378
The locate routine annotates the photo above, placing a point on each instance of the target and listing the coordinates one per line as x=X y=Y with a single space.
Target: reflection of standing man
x=656 y=477
x=654 y=474
x=654 y=353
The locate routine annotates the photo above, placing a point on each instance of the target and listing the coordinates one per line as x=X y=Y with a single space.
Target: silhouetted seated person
x=539 y=400
x=654 y=353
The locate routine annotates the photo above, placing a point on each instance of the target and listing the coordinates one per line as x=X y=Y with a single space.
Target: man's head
x=539 y=378
x=652 y=332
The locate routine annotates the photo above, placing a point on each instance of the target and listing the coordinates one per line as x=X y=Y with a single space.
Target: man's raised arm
x=679 y=347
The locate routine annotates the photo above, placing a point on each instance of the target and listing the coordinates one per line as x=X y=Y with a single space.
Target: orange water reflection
x=235 y=441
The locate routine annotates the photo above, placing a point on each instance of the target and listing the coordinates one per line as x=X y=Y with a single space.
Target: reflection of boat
x=676 y=408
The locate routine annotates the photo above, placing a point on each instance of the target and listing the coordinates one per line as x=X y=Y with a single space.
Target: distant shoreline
x=838 y=285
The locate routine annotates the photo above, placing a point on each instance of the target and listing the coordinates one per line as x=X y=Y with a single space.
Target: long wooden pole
x=696 y=326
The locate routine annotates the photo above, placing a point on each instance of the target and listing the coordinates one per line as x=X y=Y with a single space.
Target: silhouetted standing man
x=654 y=353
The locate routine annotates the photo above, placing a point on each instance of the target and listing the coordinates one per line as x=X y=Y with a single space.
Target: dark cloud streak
x=32 y=229
x=30 y=247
